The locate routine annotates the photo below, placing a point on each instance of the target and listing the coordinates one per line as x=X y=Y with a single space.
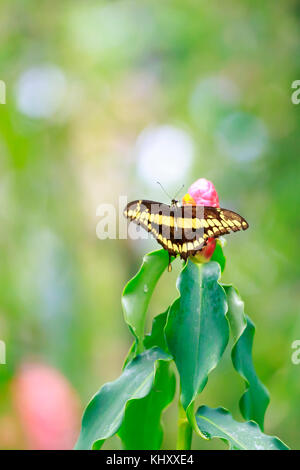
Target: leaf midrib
x=199 y=330
x=223 y=431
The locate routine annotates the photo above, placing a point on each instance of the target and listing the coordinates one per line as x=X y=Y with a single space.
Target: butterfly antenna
x=181 y=187
x=164 y=189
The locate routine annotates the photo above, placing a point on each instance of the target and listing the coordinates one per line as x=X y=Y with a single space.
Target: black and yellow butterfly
x=183 y=230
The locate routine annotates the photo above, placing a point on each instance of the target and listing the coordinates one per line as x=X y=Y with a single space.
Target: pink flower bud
x=47 y=406
x=203 y=193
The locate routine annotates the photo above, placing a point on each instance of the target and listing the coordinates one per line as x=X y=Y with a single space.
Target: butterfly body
x=183 y=230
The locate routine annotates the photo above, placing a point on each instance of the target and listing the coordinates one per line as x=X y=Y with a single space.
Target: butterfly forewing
x=183 y=230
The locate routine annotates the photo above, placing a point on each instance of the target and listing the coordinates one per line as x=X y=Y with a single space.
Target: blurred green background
x=104 y=98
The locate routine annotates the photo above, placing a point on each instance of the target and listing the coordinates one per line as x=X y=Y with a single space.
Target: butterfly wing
x=222 y=221
x=183 y=230
x=156 y=218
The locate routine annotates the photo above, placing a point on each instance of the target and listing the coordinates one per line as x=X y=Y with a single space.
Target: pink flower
x=203 y=193
x=47 y=406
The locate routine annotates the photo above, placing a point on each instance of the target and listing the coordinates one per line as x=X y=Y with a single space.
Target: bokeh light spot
x=211 y=97
x=40 y=91
x=164 y=154
x=242 y=136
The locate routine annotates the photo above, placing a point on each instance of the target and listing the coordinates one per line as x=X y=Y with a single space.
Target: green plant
x=193 y=333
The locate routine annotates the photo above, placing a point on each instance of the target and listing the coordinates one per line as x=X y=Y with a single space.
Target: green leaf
x=219 y=256
x=130 y=355
x=197 y=329
x=141 y=428
x=255 y=399
x=138 y=291
x=104 y=414
x=218 y=422
x=157 y=335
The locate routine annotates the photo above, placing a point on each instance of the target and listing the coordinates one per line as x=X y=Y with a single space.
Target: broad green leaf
x=155 y=338
x=141 y=427
x=137 y=293
x=197 y=329
x=130 y=355
x=218 y=422
x=255 y=399
x=157 y=335
x=104 y=414
x=219 y=256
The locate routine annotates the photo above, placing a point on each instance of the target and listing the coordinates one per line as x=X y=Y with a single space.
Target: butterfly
x=183 y=230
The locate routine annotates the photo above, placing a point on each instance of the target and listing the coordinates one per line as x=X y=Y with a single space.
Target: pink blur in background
x=47 y=406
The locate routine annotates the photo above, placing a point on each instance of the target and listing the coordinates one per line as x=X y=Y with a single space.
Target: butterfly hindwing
x=183 y=230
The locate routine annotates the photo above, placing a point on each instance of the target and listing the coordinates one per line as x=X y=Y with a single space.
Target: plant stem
x=185 y=431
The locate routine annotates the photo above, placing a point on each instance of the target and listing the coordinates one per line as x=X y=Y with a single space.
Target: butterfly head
x=174 y=202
